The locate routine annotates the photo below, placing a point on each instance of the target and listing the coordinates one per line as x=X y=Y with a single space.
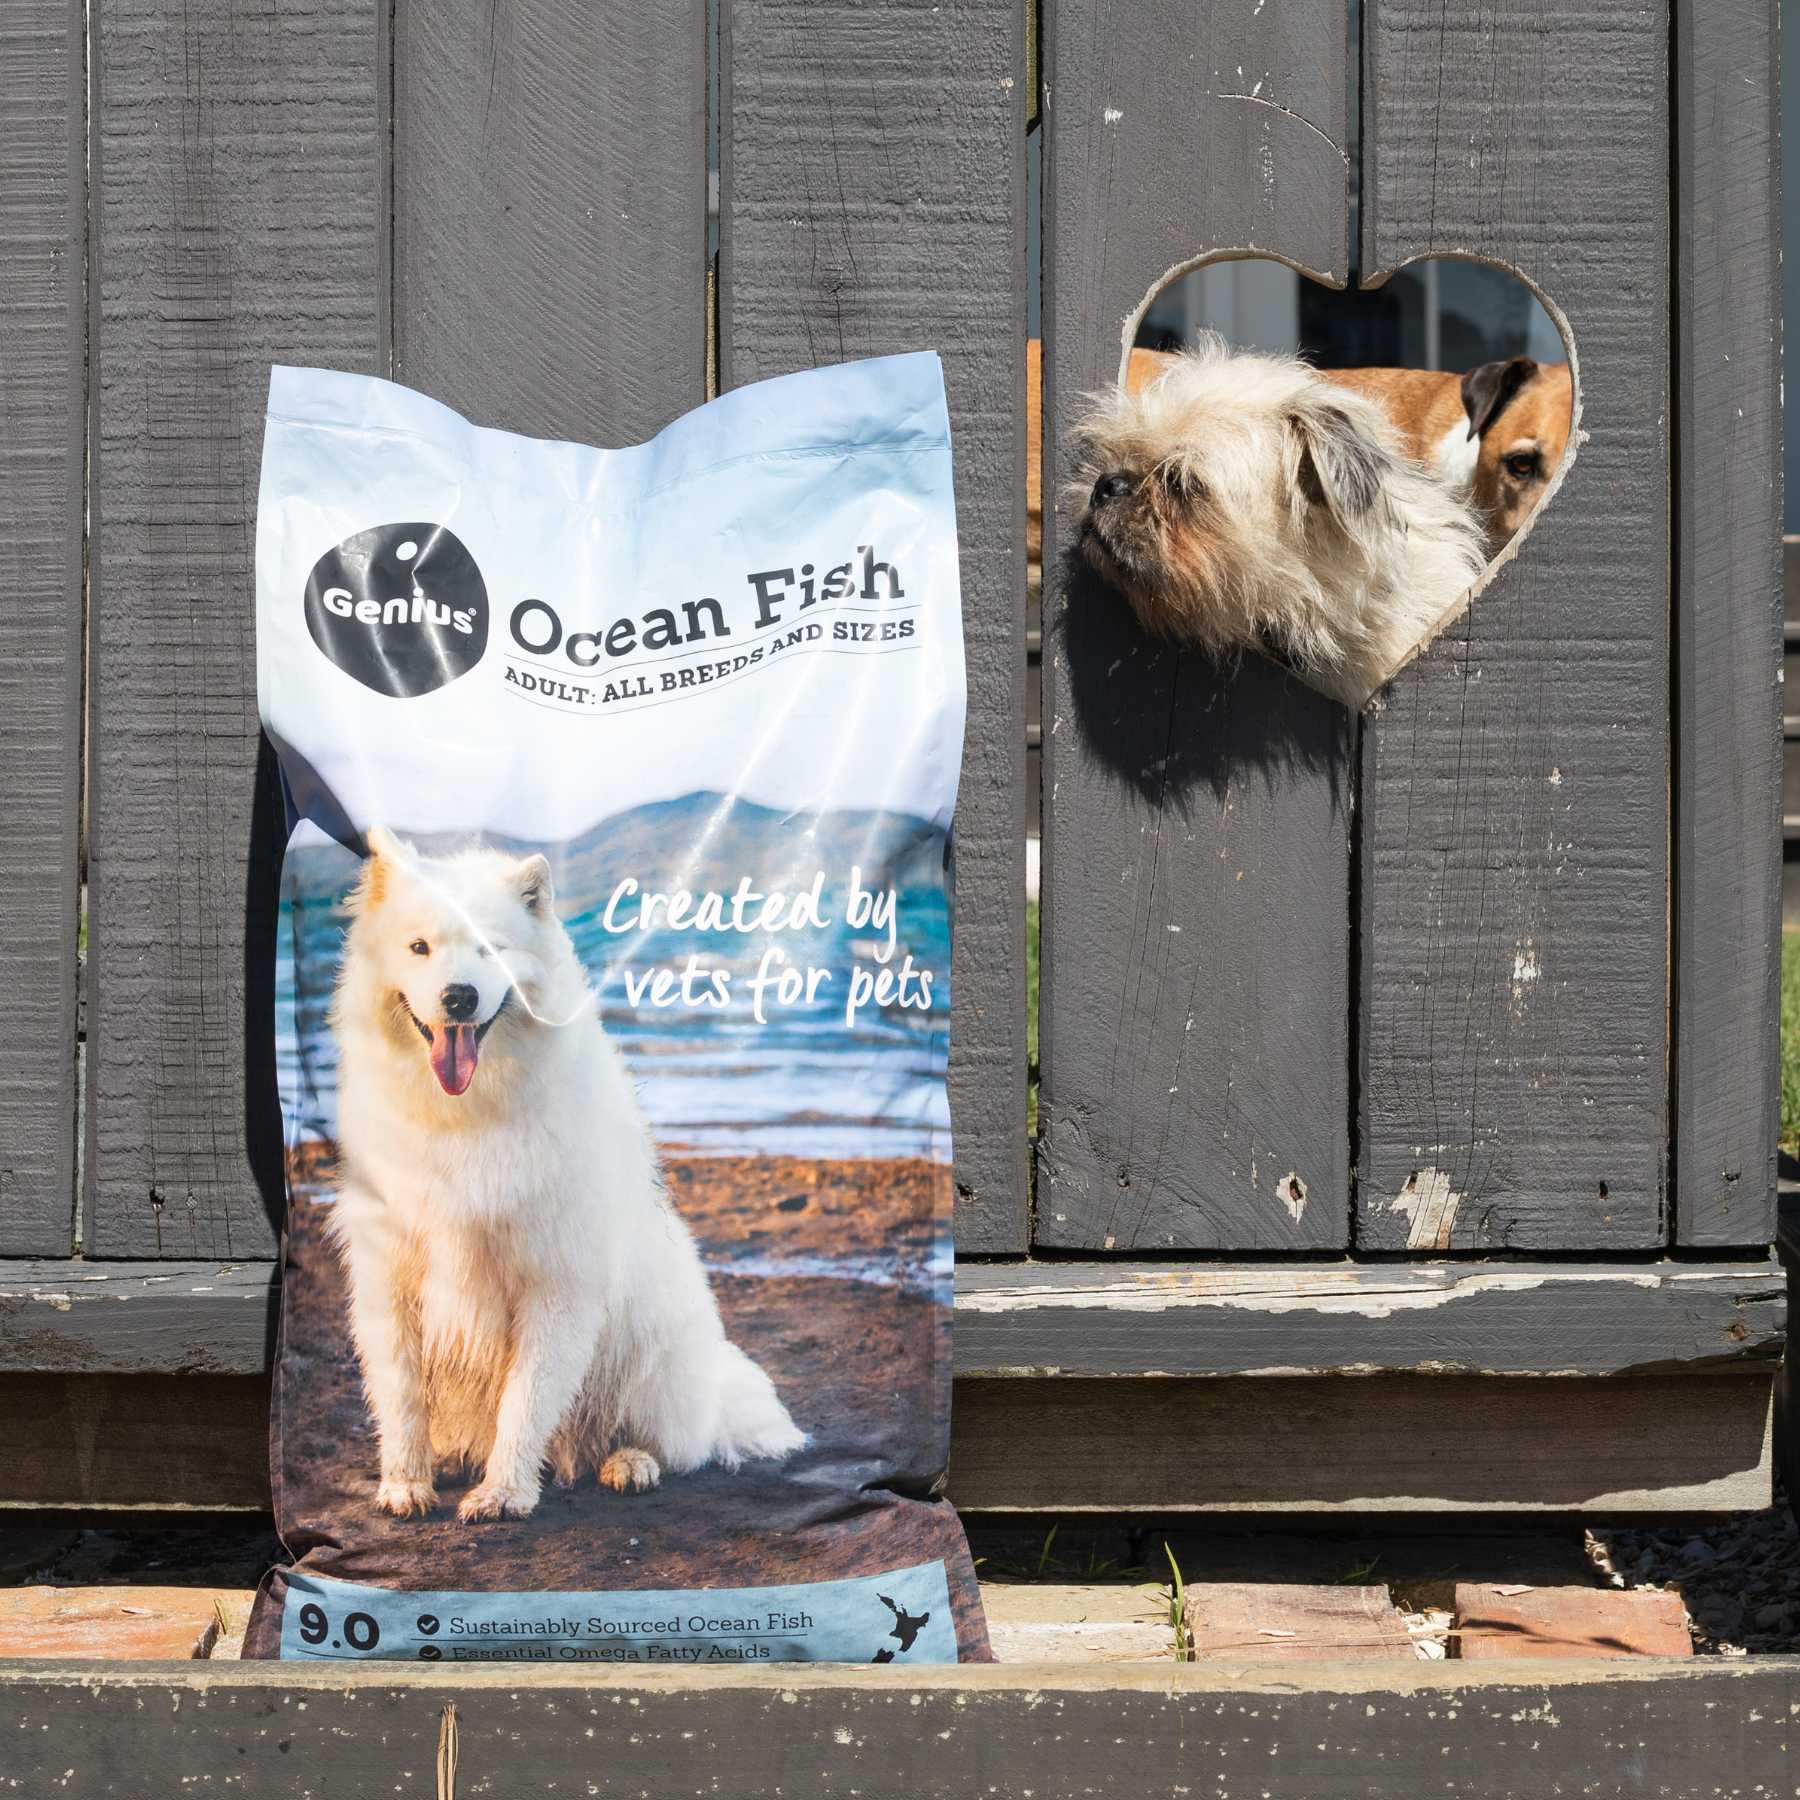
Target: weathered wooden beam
x=1084 y=1319
x=1703 y=1729
x=138 y=1318
x=1386 y=1443
x=1520 y=1319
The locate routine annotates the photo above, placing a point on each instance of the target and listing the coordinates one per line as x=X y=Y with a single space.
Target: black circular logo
x=401 y=608
x=428 y=1623
x=429 y=1653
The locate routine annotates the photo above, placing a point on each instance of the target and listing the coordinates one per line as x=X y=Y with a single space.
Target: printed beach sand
x=861 y=1363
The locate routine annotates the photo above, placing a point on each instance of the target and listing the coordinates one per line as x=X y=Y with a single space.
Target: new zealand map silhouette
x=907 y=1627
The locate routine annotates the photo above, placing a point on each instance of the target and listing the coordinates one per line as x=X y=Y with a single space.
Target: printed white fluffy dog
x=1242 y=501
x=521 y=1290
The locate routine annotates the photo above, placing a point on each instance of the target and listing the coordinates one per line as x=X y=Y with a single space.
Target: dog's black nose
x=1112 y=487
x=460 y=1001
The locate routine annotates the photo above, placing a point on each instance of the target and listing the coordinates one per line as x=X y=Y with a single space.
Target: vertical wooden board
x=1196 y=914
x=1728 y=620
x=872 y=201
x=42 y=450
x=550 y=213
x=240 y=218
x=1514 y=950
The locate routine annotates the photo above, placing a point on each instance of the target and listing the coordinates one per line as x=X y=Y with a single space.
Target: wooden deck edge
x=1067 y=1319
x=1669 y=1675
x=1705 y=1727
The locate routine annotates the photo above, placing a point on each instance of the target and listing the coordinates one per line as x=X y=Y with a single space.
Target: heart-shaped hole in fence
x=1326 y=476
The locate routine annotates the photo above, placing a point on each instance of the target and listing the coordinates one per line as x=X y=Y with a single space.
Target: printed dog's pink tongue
x=453 y=1054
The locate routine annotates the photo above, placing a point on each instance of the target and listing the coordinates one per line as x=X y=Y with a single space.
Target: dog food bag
x=612 y=1003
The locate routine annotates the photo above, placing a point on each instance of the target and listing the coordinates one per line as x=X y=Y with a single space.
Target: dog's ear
x=1341 y=463
x=1488 y=390
x=384 y=851
x=532 y=877
x=381 y=843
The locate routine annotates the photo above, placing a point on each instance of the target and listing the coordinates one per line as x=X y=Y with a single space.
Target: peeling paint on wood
x=1429 y=1205
x=1534 y=1319
x=1088 y=1318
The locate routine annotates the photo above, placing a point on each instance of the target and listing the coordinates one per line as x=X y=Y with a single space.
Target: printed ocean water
x=854 y=1067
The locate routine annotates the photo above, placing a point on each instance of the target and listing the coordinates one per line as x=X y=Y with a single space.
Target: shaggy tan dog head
x=1241 y=502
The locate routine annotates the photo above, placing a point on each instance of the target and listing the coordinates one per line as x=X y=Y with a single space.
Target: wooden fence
x=1488 y=975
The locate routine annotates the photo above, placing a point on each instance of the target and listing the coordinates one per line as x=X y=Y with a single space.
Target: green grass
x=1177 y=1608
x=1790 y=1042
x=1047 y=1565
x=1031 y=1020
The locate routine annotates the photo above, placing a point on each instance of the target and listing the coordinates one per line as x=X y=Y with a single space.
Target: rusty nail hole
x=1603 y=1190
x=156 y=1198
x=1296 y=1188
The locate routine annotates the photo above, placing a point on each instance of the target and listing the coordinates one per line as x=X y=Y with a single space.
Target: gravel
x=1739 y=1575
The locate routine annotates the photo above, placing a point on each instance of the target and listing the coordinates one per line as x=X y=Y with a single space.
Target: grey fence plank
x=1195 y=968
x=1728 y=620
x=43 y=430
x=872 y=201
x=550 y=213
x=240 y=218
x=1514 y=948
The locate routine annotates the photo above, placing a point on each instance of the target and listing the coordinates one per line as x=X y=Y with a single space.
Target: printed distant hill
x=702 y=841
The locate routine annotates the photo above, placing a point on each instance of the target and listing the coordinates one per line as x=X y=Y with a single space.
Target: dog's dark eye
x=1523 y=466
x=419 y=947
